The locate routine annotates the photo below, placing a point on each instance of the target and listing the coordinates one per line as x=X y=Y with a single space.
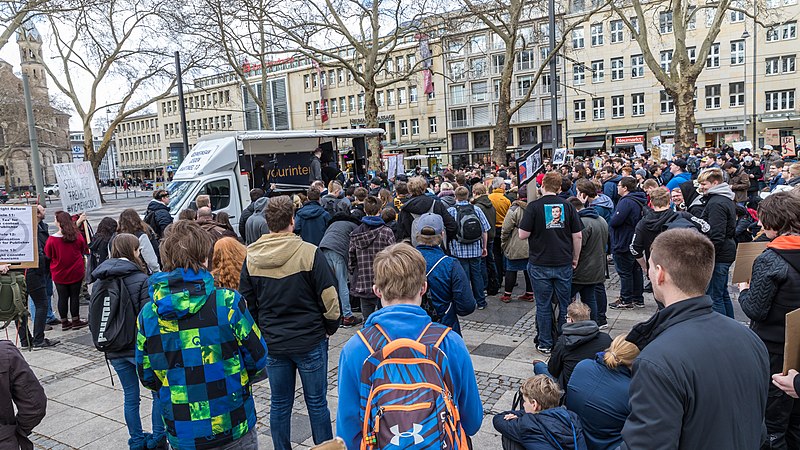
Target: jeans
x=587 y=294
x=48 y=283
x=313 y=368
x=631 y=283
x=126 y=371
x=38 y=316
x=339 y=267
x=602 y=303
x=540 y=368
x=472 y=267
x=546 y=282
x=247 y=442
x=368 y=305
x=718 y=289
x=497 y=249
x=69 y=295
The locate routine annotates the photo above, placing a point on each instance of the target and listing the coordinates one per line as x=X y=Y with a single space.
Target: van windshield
x=178 y=190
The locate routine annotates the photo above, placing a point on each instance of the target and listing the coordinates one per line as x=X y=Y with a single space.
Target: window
x=458 y=117
x=577 y=38
x=691 y=21
x=737 y=52
x=412 y=94
x=523 y=84
x=789 y=30
x=788 y=64
x=306 y=83
x=414 y=127
x=580 y=110
x=389 y=66
x=498 y=62
x=525 y=60
x=578 y=74
x=615 y=26
x=598 y=108
x=400 y=63
x=340 y=75
x=773 y=34
x=361 y=102
x=710 y=16
x=780 y=100
x=403 y=128
x=635 y=25
x=665 y=22
x=597 y=34
x=220 y=193
x=598 y=71
x=666 y=60
x=637 y=66
x=432 y=125
x=713 y=96
x=477 y=43
x=637 y=104
x=342 y=105
x=617 y=69
x=736 y=91
x=309 y=109
x=692 y=53
x=335 y=106
x=773 y=66
x=736 y=16
x=401 y=96
x=712 y=61
x=618 y=106
x=390 y=97
x=432 y=94
x=477 y=67
x=497 y=42
x=457 y=70
x=667 y=106
x=458 y=94
x=547 y=82
x=380 y=98
x=411 y=61
x=479 y=90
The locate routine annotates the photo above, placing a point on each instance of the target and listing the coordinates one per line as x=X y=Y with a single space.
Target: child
x=366 y=241
x=543 y=424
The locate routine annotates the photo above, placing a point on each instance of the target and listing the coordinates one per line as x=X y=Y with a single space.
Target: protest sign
x=746 y=253
x=739 y=146
x=78 y=187
x=791 y=346
x=18 y=236
x=559 y=156
x=788 y=144
x=656 y=141
x=528 y=164
x=667 y=151
x=639 y=148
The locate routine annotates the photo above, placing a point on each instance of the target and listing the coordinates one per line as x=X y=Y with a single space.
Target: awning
x=574 y=135
x=596 y=145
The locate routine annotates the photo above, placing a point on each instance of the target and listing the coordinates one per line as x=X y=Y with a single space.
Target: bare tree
x=112 y=47
x=13 y=13
x=321 y=30
x=651 y=23
x=507 y=19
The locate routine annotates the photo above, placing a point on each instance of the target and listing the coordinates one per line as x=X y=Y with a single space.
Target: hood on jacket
x=311 y=210
x=447 y=193
x=722 y=189
x=115 y=267
x=578 y=333
x=588 y=212
x=689 y=192
x=603 y=201
x=788 y=247
x=260 y=205
x=344 y=216
x=155 y=205
x=615 y=179
x=273 y=250
x=363 y=236
x=373 y=221
x=639 y=196
x=179 y=293
x=655 y=220
x=419 y=204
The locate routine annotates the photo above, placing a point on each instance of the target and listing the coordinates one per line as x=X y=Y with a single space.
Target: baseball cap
x=767 y=147
x=430 y=224
x=680 y=163
x=375 y=181
x=748 y=159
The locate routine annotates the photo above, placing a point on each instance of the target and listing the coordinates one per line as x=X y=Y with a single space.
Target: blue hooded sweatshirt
x=448 y=287
x=603 y=206
x=311 y=221
x=678 y=179
x=404 y=321
x=610 y=188
x=622 y=225
x=554 y=428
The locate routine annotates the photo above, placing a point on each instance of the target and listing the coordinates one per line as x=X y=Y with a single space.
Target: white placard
x=401 y=165
x=77 y=187
x=196 y=160
x=639 y=149
x=559 y=156
x=739 y=146
x=392 y=162
x=667 y=151
x=656 y=141
x=17 y=234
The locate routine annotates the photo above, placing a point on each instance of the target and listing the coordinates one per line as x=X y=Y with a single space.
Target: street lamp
x=745 y=36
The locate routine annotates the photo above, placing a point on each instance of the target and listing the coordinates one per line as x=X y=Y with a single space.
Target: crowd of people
x=202 y=311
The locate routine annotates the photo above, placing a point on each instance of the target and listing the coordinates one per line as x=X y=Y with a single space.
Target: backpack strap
x=433 y=203
x=374 y=337
x=434 y=266
x=433 y=334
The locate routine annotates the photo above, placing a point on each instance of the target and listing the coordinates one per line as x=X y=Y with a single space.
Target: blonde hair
x=710 y=175
x=399 y=272
x=621 y=352
x=578 y=311
x=417 y=186
x=543 y=389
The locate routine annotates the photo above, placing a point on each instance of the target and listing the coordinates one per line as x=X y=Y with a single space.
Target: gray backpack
x=415 y=224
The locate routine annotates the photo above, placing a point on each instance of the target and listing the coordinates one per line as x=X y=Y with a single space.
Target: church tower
x=30 y=50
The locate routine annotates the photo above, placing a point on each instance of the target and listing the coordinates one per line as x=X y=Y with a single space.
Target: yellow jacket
x=501 y=204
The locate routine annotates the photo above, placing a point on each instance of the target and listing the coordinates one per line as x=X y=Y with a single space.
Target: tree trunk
x=371 y=118
x=502 y=125
x=683 y=98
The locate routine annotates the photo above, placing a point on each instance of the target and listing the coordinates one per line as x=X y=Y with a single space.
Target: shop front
x=781 y=131
x=626 y=141
x=586 y=145
x=720 y=134
x=667 y=134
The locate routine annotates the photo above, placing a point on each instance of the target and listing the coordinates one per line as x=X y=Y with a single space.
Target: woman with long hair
x=224 y=220
x=229 y=256
x=131 y=223
x=66 y=249
x=101 y=243
x=126 y=265
x=598 y=393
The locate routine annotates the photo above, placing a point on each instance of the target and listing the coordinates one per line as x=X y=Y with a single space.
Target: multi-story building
x=615 y=101
x=139 y=147
x=108 y=165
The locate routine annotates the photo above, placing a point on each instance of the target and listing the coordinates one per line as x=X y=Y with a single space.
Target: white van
x=226 y=166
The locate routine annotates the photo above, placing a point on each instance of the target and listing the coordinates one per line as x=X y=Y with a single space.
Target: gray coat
x=513 y=246
x=591 y=264
x=337 y=235
x=256 y=225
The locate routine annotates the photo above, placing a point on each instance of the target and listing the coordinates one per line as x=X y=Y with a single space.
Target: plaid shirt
x=365 y=242
x=473 y=250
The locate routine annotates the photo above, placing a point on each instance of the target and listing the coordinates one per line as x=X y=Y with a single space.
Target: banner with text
x=18 y=236
x=77 y=187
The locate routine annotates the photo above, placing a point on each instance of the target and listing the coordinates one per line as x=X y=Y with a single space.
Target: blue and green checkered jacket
x=198 y=347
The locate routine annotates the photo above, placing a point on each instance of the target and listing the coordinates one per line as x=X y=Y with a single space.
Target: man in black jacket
x=701 y=379
x=157 y=215
x=754 y=174
x=720 y=214
x=419 y=204
x=255 y=194
x=20 y=390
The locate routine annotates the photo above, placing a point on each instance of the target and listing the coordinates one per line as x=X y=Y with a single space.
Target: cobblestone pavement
x=85 y=409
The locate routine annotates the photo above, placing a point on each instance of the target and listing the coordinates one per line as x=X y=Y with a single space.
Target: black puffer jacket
x=420 y=205
x=163 y=219
x=579 y=341
x=720 y=213
x=135 y=282
x=654 y=223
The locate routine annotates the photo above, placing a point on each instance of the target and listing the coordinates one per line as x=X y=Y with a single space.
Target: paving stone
x=484 y=363
x=492 y=351
x=514 y=368
x=86 y=432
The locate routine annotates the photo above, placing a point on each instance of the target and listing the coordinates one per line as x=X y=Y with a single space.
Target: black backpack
x=112 y=316
x=469 y=225
x=150 y=220
x=427 y=303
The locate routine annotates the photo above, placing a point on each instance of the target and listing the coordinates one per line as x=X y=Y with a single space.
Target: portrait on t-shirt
x=554 y=216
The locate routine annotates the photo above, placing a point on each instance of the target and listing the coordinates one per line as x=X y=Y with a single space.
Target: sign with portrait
x=553 y=216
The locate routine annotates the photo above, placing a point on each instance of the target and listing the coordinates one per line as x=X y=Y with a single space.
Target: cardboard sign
x=559 y=156
x=772 y=136
x=18 y=236
x=746 y=253
x=655 y=153
x=791 y=345
x=789 y=148
x=656 y=141
x=78 y=187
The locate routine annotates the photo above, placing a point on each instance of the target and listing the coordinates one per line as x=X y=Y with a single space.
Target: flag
x=323 y=107
x=425 y=56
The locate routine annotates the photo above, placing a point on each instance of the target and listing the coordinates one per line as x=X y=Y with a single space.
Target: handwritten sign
x=18 y=238
x=788 y=146
x=197 y=159
x=78 y=187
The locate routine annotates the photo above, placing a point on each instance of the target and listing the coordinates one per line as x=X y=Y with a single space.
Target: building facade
x=108 y=170
x=615 y=101
x=139 y=150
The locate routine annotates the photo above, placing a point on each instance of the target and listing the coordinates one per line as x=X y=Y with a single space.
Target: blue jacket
x=610 y=188
x=599 y=396
x=448 y=287
x=623 y=223
x=678 y=179
x=310 y=222
x=603 y=206
x=404 y=321
x=554 y=428
x=776 y=181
